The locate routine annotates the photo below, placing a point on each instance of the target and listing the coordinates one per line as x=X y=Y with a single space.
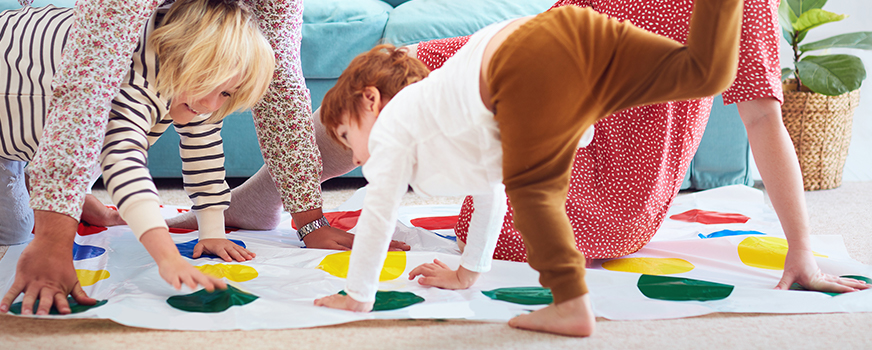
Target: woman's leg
x=257 y=204
x=16 y=217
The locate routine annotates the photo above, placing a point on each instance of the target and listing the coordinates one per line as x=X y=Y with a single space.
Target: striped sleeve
x=202 y=154
x=134 y=113
x=31 y=41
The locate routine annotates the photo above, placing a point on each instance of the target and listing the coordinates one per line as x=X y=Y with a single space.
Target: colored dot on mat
x=521 y=295
x=765 y=252
x=727 y=233
x=710 y=217
x=187 y=249
x=682 y=289
x=337 y=265
x=436 y=222
x=216 y=301
x=87 y=230
x=233 y=272
x=75 y=307
x=649 y=266
x=90 y=277
x=82 y=252
x=392 y=300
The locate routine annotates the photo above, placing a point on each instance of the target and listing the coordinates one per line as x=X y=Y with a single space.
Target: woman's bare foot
x=97 y=214
x=573 y=317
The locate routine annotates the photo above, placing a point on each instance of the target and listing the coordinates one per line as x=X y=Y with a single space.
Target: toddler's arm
x=202 y=151
x=172 y=267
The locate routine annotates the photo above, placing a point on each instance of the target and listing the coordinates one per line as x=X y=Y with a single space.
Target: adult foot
x=573 y=317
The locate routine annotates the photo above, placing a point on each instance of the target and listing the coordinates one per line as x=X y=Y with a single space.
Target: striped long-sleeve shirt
x=98 y=49
x=138 y=117
x=34 y=39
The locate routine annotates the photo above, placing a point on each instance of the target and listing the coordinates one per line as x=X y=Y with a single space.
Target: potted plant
x=820 y=92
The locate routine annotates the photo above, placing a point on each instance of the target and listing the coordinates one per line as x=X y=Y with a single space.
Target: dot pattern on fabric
x=83 y=251
x=91 y=277
x=623 y=183
x=337 y=265
x=710 y=217
x=233 y=272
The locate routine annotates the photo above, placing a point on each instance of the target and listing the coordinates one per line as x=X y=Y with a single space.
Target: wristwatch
x=312 y=226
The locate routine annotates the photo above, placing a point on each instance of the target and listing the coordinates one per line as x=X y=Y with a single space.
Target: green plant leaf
x=785 y=19
x=798 y=7
x=785 y=73
x=787 y=36
x=814 y=18
x=831 y=75
x=858 y=40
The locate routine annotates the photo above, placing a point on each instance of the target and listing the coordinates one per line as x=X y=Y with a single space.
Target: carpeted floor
x=843 y=211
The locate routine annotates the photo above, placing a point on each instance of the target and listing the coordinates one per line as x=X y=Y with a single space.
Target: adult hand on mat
x=437 y=274
x=45 y=269
x=344 y=302
x=333 y=238
x=800 y=267
x=223 y=248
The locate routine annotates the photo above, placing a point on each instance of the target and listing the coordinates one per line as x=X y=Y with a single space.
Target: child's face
x=356 y=135
x=183 y=110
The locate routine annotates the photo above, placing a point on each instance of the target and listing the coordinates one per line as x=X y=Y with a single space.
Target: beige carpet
x=844 y=211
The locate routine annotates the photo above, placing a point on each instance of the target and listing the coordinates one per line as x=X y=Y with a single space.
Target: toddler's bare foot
x=97 y=214
x=573 y=317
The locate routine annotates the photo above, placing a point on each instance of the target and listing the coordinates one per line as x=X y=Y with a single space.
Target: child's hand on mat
x=175 y=270
x=437 y=274
x=801 y=267
x=223 y=248
x=172 y=267
x=344 y=302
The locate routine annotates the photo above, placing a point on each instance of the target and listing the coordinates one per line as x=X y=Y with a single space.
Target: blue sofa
x=335 y=31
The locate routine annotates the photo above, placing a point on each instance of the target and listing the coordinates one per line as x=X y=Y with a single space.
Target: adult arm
x=776 y=159
x=96 y=57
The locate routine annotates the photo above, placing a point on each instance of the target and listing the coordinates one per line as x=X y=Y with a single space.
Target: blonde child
x=213 y=60
x=505 y=115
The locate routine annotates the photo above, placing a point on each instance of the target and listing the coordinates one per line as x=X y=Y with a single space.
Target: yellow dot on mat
x=649 y=266
x=233 y=272
x=765 y=252
x=90 y=277
x=337 y=265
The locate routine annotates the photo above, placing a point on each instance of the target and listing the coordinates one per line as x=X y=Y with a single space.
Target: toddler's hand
x=223 y=248
x=175 y=270
x=344 y=302
x=437 y=274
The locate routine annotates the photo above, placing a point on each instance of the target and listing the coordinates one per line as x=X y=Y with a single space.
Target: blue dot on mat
x=725 y=233
x=82 y=252
x=187 y=249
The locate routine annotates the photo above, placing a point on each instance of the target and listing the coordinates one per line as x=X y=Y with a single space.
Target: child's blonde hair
x=202 y=44
x=385 y=67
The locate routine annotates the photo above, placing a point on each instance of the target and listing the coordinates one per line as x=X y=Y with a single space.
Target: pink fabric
x=625 y=180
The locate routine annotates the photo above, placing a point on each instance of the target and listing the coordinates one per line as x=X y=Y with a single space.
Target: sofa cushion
x=420 y=20
x=335 y=31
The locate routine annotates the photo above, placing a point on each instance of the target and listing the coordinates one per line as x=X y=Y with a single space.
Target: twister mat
x=722 y=250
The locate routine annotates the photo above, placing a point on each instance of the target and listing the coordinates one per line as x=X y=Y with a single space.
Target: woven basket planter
x=820 y=128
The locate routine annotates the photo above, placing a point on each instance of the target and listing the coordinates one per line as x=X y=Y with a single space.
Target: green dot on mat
x=521 y=295
x=681 y=289
x=796 y=286
x=392 y=300
x=74 y=307
x=217 y=301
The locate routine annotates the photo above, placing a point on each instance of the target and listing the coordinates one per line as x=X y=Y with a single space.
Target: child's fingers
x=206 y=283
x=440 y=263
x=198 y=250
x=235 y=254
x=222 y=253
x=188 y=281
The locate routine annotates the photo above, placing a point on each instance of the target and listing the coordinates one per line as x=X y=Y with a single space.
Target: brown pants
x=564 y=70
